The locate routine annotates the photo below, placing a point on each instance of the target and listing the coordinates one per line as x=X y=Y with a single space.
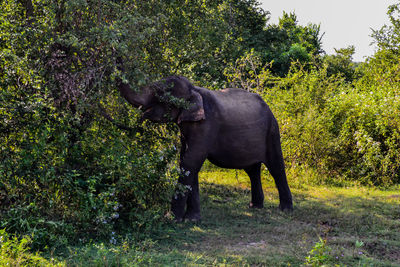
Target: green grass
x=344 y=226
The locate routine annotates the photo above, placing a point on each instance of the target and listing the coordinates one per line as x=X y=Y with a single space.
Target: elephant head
x=172 y=99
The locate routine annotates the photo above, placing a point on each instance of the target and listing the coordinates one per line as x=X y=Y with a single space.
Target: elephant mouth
x=146 y=110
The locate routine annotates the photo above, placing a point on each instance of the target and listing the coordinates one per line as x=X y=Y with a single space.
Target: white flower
x=113 y=240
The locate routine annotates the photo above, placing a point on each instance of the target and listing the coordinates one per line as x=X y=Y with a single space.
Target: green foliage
x=67 y=175
x=60 y=187
x=369 y=135
x=289 y=42
x=203 y=36
x=319 y=255
x=16 y=252
x=342 y=130
x=248 y=73
x=342 y=64
x=388 y=37
x=299 y=102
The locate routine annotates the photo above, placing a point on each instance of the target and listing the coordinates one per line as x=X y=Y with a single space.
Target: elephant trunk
x=136 y=99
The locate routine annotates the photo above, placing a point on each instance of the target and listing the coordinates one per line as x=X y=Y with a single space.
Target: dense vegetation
x=68 y=175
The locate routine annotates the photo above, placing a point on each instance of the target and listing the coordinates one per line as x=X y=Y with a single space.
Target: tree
x=64 y=169
x=342 y=63
x=388 y=37
x=287 y=42
x=383 y=68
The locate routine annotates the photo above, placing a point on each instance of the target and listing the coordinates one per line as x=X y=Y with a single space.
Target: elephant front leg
x=193 y=202
x=187 y=193
x=179 y=199
x=187 y=196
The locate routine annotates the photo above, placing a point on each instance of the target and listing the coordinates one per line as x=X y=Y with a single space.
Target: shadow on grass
x=268 y=235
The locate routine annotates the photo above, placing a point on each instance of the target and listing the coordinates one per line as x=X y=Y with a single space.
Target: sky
x=344 y=22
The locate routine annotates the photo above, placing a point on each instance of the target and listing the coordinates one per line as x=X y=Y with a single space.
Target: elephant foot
x=256 y=205
x=178 y=210
x=178 y=220
x=192 y=217
x=286 y=207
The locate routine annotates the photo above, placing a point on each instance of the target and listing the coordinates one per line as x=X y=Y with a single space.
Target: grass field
x=353 y=226
x=331 y=226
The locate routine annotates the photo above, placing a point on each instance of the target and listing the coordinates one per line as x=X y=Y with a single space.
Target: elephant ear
x=195 y=112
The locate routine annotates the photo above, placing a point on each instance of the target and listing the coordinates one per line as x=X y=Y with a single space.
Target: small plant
x=357 y=249
x=16 y=252
x=319 y=254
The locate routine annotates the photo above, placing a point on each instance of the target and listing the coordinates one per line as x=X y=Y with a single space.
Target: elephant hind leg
x=257 y=194
x=276 y=167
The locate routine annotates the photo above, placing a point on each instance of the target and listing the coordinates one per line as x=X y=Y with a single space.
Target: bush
x=368 y=141
x=66 y=174
x=15 y=252
x=342 y=130
x=63 y=179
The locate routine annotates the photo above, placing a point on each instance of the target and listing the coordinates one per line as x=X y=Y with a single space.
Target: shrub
x=60 y=180
x=15 y=252
x=319 y=254
x=342 y=130
x=66 y=174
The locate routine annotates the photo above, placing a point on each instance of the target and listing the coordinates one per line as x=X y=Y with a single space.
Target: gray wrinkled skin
x=232 y=128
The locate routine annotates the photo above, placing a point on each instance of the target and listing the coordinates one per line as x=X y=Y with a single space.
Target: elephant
x=232 y=128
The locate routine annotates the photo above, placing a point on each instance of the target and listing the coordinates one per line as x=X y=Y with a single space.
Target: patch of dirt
x=246 y=245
